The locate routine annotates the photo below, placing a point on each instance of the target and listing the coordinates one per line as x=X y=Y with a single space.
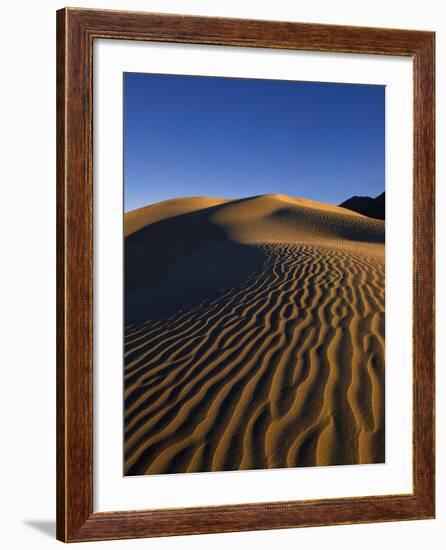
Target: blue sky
x=226 y=137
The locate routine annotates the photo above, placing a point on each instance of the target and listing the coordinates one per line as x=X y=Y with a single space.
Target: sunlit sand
x=254 y=335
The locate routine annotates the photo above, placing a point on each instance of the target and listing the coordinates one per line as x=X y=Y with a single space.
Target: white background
x=28 y=271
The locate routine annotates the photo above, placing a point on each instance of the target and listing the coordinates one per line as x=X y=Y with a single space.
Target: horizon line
x=249 y=197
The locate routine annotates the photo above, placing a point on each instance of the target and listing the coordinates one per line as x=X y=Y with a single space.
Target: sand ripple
x=282 y=368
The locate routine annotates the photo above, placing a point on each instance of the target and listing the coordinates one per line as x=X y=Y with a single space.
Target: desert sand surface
x=254 y=335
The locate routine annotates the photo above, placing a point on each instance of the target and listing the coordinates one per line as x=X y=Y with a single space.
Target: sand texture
x=254 y=336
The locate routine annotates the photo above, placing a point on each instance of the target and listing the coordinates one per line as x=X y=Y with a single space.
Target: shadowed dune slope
x=278 y=218
x=139 y=218
x=254 y=335
x=372 y=207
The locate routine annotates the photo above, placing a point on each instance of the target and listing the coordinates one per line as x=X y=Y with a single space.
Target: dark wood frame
x=76 y=31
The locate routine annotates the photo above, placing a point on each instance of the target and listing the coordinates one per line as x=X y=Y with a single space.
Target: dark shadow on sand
x=178 y=263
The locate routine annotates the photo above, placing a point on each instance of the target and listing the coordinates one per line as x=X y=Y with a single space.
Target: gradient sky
x=227 y=137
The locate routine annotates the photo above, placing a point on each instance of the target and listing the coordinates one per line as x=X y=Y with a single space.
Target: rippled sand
x=254 y=336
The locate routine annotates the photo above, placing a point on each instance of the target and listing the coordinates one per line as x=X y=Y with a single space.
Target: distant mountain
x=368 y=206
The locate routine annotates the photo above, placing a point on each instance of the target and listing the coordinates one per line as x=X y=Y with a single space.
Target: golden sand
x=254 y=337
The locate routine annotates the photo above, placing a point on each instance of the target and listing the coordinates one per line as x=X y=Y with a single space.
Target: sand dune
x=254 y=336
x=139 y=218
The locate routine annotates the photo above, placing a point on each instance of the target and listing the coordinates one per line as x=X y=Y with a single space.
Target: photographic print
x=245 y=274
x=254 y=274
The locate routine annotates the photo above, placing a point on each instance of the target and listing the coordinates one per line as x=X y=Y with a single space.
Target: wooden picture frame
x=76 y=31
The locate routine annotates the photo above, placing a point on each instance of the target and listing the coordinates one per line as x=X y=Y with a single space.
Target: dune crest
x=254 y=336
x=279 y=218
x=141 y=217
